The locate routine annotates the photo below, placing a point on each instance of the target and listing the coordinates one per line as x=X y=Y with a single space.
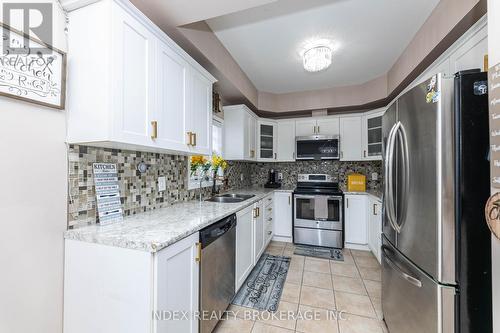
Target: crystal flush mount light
x=317 y=58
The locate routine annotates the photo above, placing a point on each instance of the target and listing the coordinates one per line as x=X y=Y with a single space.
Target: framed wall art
x=28 y=74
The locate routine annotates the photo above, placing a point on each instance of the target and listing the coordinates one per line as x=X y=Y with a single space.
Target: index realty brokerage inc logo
x=32 y=19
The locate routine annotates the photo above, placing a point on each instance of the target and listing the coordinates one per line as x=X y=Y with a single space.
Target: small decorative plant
x=218 y=162
x=199 y=164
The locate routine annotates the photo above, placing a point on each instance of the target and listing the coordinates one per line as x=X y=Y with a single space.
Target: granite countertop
x=154 y=230
x=374 y=193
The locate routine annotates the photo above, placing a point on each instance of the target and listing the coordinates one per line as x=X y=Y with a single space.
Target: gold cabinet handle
x=275 y=156
x=154 y=135
x=255 y=213
x=289 y=200
x=319 y=130
x=364 y=153
x=194 y=139
x=374 y=209
x=190 y=138
x=258 y=211
x=198 y=252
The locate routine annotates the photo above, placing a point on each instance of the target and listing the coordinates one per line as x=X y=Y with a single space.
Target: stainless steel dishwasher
x=217 y=282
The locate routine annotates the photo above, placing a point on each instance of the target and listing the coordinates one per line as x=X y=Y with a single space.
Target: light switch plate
x=374 y=176
x=162 y=184
x=280 y=176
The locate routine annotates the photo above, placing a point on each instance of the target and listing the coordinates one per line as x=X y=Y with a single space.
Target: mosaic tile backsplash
x=259 y=171
x=139 y=192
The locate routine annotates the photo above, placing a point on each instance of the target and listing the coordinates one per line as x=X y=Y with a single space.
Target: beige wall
x=321 y=99
x=32 y=213
x=494 y=58
x=442 y=20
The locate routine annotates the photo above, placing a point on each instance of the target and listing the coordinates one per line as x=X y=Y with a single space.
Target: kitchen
x=202 y=180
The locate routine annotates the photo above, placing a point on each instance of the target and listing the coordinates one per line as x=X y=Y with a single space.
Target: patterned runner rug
x=263 y=287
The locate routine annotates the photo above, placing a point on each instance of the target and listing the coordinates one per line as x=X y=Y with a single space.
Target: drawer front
x=331 y=225
x=318 y=237
x=268 y=200
x=268 y=231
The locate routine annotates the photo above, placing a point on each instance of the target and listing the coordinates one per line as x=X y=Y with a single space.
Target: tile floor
x=320 y=286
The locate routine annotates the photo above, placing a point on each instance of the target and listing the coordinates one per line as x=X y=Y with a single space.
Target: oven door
x=318 y=212
x=317 y=147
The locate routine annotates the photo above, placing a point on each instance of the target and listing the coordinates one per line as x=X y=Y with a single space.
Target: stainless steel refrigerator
x=436 y=266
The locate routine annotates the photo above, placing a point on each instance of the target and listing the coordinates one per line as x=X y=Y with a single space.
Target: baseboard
x=360 y=247
x=282 y=239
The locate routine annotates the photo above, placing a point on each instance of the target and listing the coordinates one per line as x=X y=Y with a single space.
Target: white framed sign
x=30 y=75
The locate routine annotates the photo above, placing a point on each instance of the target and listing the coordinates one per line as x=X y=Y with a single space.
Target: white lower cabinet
x=268 y=219
x=375 y=227
x=356 y=220
x=258 y=231
x=130 y=291
x=252 y=236
x=244 y=245
x=283 y=216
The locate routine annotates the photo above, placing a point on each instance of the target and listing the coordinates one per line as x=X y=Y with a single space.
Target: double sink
x=230 y=198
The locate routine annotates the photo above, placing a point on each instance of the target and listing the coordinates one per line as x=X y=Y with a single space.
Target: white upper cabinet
x=351 y=138
x=134 y=95
x=372 y=135
x=320 y=126
x=267 y=140
x=199 y=119
x=240 y=127
x=286 y=141
x=132 y=86
x=306 y=127
x=328 y=126
x=173 y=72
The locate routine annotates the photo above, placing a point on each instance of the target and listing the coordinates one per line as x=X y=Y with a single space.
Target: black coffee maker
x=273 y=181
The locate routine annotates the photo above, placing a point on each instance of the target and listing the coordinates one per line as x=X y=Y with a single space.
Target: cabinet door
x=375 y=227
x=251 y=136
x=372 y=136
x=328 y=126
x=266 y=140
x=286 y=141
x=283 y=214
x=356 y=219
x=200 y=113
x=258 y=231
x=177 y=284
x=350 y=138
x=244 y=245
x=305 y=127
x=171 y=99
x=135 y=80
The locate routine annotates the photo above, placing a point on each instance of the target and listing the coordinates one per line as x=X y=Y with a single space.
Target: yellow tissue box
x=356 y=182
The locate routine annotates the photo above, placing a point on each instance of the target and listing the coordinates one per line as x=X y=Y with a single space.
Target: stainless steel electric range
x=318 y=218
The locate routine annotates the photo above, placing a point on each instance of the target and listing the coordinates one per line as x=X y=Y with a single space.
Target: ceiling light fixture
x=317 y=58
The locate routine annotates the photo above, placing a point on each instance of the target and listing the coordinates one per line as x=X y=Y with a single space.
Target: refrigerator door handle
x=403 y=139
x=414 y=281
x=389 y=158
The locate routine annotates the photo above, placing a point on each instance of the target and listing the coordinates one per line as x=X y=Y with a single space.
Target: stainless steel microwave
x=317 y=147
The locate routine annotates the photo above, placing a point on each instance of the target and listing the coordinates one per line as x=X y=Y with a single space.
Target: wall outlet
x=280 y=176
x=162 y=184
x=374 y=176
